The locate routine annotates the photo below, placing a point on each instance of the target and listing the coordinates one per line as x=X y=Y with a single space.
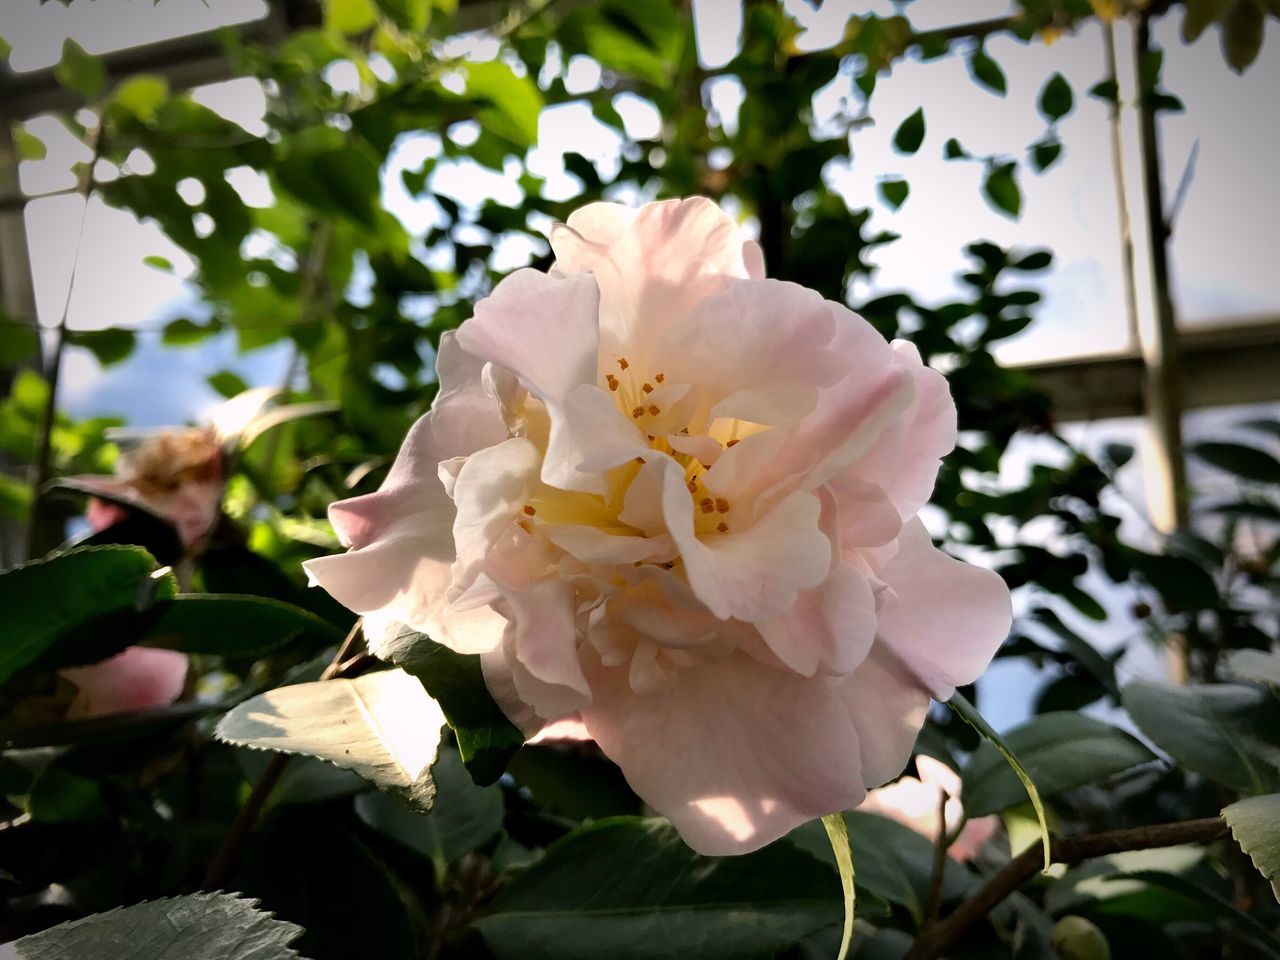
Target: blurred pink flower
x=914 y=802
x=679 y=499
x=136 y=679
x=176 y=474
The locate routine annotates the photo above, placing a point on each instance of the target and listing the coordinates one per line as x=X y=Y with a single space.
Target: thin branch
x=228 y=855
x=935 y=942
x=933 y=903
x=1122 y=192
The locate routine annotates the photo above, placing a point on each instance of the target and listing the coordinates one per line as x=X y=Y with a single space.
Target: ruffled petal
x=887 y=706
x=947 y=619
x=735 y=753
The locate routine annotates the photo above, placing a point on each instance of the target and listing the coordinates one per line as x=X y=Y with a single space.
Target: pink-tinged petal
x=405 y=579
x=642 y=506
x=973 y=836
x=888 y=707
x=543 y=328
x=660 y=607
x=832 y=625
x=948 y=618
x=904 y=461
x=568 y=729
x=653 y=265
x=757 y=351
x=491 y=490
x=755 y=573
x=735 y=753
x=868 y=517
x=137 y=679
x=589 y=436
x=753 y=260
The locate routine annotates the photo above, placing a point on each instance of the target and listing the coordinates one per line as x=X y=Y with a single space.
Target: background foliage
x=555 y=858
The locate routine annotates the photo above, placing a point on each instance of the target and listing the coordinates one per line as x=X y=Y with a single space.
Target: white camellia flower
x=677 y=500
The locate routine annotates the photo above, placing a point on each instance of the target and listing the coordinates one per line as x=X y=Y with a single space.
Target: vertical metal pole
x=1164 y=463
x=18 y=300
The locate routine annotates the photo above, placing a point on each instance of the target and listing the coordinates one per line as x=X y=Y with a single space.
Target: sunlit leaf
x=970 y=715
x=838 y=834
x=382 y=726
x=1255 y=823
x=79 y=72
x=200 y=926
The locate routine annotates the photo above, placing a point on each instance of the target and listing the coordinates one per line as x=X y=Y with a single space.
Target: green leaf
x=1247 y=510
x=954 y=151
x=987 y=72
x=1059 y=751
x=1045 y=154
x=1228 y=733
x=1255 y=823
x=160 y=263
x=910 y=133
x=184 y=332
x=19 y=341
x=634 y=885
x=382 y=726
x=894 y=192
x=1001 y=189
x=1242 y=30
x=5 y=49
x=1246 y=462
x=1183 y=584
x=79 y=72
x=1107 y=90
x=514 y=102
x=349 y=16
x=1199 y=14
x=333 y=180
x=1056 y=98
x=109 y=346
x=486 y=738
x=227 y=383
x=409 y=15
x=59 y=796
x=967 y=712
x=1253 y=666
x=233 y=625
x=15 y=498
x=29 y=146
x=1085 y=653
x=141 y=96
x=463 y=818
x=838 y=834
x=201 y=926
x=46 y=600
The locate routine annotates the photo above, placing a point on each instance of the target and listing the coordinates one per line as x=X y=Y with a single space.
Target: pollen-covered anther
x=637 y=413
x=659 y=377
x=692 y=485
x=529 y=511
x=611 y=380
x=640 y=460
x=722 y=527
x=647 y=387
x=622 y=363
x=731 y=443
x=707 y=504
x=654 y=409
x=722 y=505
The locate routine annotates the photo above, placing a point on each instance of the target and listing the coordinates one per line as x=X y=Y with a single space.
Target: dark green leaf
x=79 y=72
x=463 y=818
x=341 y=181
x=201 y=926
x=1199 y=14
x=1249 y=463
x=227 y=383
x=1228 y=733
x=1060 y=751
x=954 y=151
x=1105 y=90
x=183 y=332
x=1242 y=30
x=634 y=885
x=1001 y=189
x=1183 y=584
x=29 y=146
x=910 y=133
x=410 y=15
x=110 y=345
x=1247 y=510
x=1045 y=154
x=987 y=72
x=46 y=600
x=233 y=625
x=894 y=192
x=486 y=738
x=19 y=342
x=58 y=796
x=1056 y=98
x=1085 y=653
